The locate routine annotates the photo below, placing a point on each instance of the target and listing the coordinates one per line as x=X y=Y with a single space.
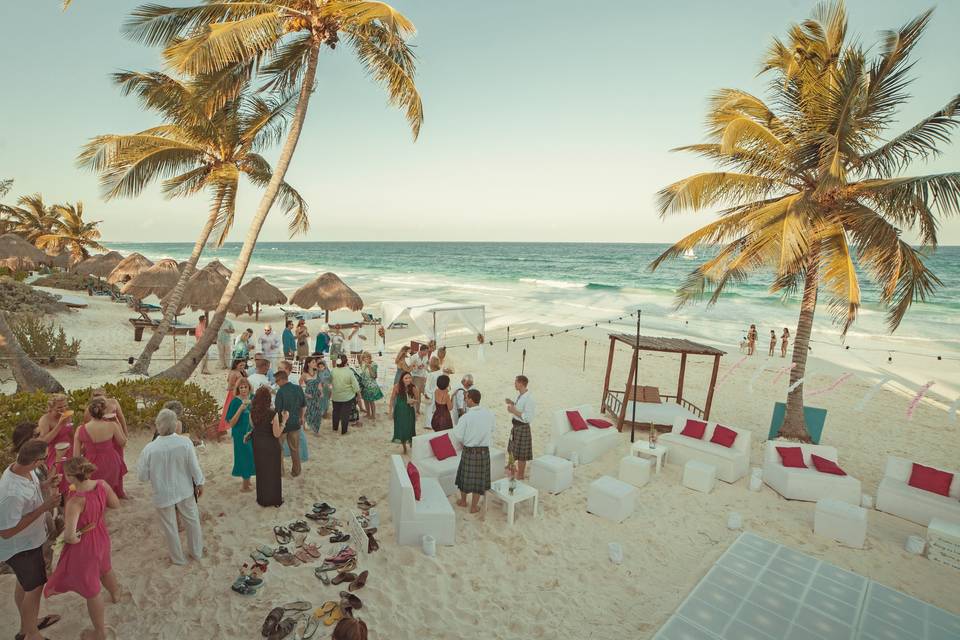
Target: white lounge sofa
x=916 y=505
x=445 y=471
x=732 y=463
x=807 y=484
x=431 y=515
x=589 y=444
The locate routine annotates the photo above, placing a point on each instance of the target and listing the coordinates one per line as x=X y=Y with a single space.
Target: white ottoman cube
x=551 y=474
x=699 y=476
x=840 y=521
x=611 y=499
x=634 y=470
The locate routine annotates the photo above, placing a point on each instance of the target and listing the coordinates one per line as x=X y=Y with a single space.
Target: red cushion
x=598 y=423
x=442 y=447
x=694 y=429
x=792 y=457
x=930 y=479
x=414 y=475
x=824 y=465
x=723 y=436
x=576 y=421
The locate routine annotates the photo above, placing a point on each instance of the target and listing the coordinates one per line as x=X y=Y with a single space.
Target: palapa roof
x=327 y=292
x=260 y=291
x=128 y=268
x=14 y=249
x=218 y=267
x=99 y=266
x=62 y=260
x=157 y=280
x=668 y=345
x=204 y=290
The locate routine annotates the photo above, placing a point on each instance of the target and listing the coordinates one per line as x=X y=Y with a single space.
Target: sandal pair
x=282 y=534
x=329 y=613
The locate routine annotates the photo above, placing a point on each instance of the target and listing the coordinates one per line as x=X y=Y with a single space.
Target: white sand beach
x=545 y=577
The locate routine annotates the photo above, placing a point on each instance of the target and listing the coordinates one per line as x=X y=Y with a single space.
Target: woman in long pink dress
x=84 y=564
x=97 y=441
x=113 y=412
x=56 y=427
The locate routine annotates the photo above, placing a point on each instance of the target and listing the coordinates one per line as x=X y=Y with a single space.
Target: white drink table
x=642 y=449
x=501 y=491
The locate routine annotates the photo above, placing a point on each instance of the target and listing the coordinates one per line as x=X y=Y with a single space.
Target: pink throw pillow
x=442 y=447
x=723 y=436
x=792 y=457
x=598 y=423
x=414 y=475
x=577 y=423
x=825 y=465
x=694 y=429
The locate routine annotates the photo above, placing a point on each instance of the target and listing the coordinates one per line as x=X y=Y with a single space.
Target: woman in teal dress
x=369 y=389
x=310 y=380
x=403 y=402
x=326 y=386
x=238 y=419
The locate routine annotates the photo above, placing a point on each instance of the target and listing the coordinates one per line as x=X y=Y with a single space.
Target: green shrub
x=45 y=342
x=71 y=282
x=25 y=299
x=19 y=276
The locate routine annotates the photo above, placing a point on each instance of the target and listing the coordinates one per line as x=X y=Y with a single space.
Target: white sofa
x=732 y=463
x=445 y=471
x=916 y=505
x=807 y=484
x=590 y=443
x=412 y=519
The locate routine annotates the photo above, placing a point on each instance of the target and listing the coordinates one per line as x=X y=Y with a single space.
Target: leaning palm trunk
x=182 y=369
x=142 y=365
x=794 y=424
x=29 y=375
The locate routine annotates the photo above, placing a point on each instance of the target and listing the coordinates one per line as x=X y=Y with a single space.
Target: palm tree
x=811 y=189
x=30 y=219
x=71 y=232
x=207 y=144
x=280 y=40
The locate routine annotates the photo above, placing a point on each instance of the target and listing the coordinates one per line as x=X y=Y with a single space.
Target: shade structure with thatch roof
x=18 y=254
x=217 y=267
x=62 y=260
x=99 y=266
x=261 y=292
x=329 y=293
x=129 y=267
x=204 y=290
x=157 y=280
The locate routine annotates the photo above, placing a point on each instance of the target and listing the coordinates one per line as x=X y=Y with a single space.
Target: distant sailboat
x=689 y=254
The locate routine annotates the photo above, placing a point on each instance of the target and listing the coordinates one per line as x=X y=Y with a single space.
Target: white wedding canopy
x=433 y=317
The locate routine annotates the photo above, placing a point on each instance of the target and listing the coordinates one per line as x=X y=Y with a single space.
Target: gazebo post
x=257 y=317
x=713 y=382
x=606 y=379
x=631 y=383
x=683 y=367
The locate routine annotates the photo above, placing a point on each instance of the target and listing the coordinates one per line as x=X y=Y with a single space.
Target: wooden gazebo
x=655 y=408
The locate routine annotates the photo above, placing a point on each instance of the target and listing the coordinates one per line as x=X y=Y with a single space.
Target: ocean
x=571 y=284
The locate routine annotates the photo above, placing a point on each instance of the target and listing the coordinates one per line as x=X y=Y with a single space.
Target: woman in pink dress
x=84 y=564
x=56 y=427
x=97 y=441
x=114 y=412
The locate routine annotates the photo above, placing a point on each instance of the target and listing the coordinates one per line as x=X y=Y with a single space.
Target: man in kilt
x=523 y=411
x=474 y=431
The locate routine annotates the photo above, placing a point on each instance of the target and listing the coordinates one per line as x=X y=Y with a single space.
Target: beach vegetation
x=72 y=282
x=812 y=186
x=16 y=296
x=53 y=228
x=44 y=341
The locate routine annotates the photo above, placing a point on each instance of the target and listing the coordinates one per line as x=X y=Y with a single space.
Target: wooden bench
x=139 y=324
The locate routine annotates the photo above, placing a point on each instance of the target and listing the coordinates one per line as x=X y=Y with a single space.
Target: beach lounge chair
x=412 y=519
x=897 y=497
x=445 y=471
x=807 y=484
x=732 y=462
x=590 y=443
x=145 y=322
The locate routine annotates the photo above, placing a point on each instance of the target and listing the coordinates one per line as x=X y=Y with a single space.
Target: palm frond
x=223 y=44
x=706 y=189
x=258 y=170
x=155 y=24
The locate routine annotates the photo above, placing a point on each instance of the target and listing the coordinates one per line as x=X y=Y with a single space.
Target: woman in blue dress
x=238 y=419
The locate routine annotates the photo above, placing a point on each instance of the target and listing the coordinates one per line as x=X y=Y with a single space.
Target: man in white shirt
x=417 y=364
x=459 y=395
x=475 y=432
x=270 y=346
x=170 y=464
x=524 y=411
x=23 y=530
x=262 y=377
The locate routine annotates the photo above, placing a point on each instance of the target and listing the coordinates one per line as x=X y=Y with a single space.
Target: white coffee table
x=501 y=491
x=642 y=448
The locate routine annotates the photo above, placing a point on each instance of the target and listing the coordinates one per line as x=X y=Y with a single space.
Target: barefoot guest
x=523 y=411
x=475 y=431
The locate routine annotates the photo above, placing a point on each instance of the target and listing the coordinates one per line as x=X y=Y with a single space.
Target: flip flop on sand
x=283 y=535
x=343 y=577
x=284 y=629
x=308 y=627
x=347 y=566
x=329 y=613
x=321 y=575
x=260 y=558
x=286 y=559
x=313 y=550
x=43 y=623
x=338 y=537
x=359 y=582
x=299 y=526
x=265 y=550
x=349 y=602
x=271 y=622
x=299 y=605
x=303 y=556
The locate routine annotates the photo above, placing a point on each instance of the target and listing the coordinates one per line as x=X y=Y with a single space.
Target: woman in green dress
x=369 y=389
x=310 y=381
x=238 y=419
x=325 y=386
x=403 y=401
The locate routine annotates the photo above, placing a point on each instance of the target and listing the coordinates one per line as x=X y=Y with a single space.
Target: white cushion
x=445 y=471
x=412 y=519
x=611 y=499
x=916 y=505
x=634 y=470
x=590 y=443
x=840 y=521
x=732 y=462
x=807 y=484
x=699 y=476
x=551 y=474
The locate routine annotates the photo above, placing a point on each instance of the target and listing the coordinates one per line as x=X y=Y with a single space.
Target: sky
x=545 y=120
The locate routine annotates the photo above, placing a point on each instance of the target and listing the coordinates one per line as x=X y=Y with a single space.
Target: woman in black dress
x=265 y=434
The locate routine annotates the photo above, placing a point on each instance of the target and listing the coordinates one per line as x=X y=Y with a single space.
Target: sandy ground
x=545 y=577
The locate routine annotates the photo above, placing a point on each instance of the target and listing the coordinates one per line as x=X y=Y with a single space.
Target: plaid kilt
x=521 y=442
x=473 y=474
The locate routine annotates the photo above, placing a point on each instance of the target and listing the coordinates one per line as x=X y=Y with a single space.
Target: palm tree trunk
x=142 y=365
x=794 y=424
x=182 y=369
x=29 y=375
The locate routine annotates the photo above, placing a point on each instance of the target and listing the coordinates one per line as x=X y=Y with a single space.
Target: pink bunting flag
x=783 y=370
x=916 y=399
x=836 y=383
x=732 y=369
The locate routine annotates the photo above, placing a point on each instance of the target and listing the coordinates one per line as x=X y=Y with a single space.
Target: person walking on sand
x=302 y=334
x=370 y=390
x=344 y=390
x=752 y=340
x=270 y=346
x=403 y=408
x=290 y=400
x=267 y=430
x=475 y=432
x=84 y=565
x=224 y=343
x=23 y=531
x=288 y=340
x=101 y=441
x=401 y=362
x=523 y=410
x=198 y=334
x=170 y=465
x=784 y=339
x=773 y=342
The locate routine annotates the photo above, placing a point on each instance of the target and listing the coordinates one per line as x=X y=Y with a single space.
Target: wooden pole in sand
x=523 y=362
x=584 y=355
x=508 y=338
x=636 y=357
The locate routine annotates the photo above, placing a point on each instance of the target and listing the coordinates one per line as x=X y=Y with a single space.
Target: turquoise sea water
x=566 y=283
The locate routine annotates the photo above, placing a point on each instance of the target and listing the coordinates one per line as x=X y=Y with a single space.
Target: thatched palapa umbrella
x=329 y=293
x=61 y=260
x=157 y=280
x=259 y=291
x=99 y=266
x=129 y=267
x=217 y=267
x=204 y=290
x=17 y=254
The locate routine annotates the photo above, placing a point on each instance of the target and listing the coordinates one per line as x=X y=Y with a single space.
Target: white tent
x=433 y=317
